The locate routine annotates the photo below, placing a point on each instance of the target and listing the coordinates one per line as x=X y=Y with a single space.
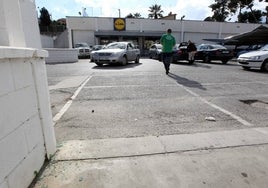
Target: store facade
x=144 y=32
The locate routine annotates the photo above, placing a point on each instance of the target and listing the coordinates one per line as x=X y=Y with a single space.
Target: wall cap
x=19 y=52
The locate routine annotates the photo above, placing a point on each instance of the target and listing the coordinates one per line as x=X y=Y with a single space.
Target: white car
x=83 y=49
x=255 y=59
x=117 y=52
x=94 y=49
x=155 y=51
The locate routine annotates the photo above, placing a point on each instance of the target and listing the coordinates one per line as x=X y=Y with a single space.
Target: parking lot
x=203 y=125
x=138 y=100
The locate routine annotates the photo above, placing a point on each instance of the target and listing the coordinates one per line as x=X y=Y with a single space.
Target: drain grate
x=256 y=103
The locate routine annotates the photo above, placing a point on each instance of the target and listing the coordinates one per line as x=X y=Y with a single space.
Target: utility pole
x=119 y=13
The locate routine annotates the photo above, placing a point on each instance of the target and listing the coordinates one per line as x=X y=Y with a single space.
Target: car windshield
x=81 y=45
x=218 y=47
x=97 y=47
x=265 y=48
x=116 y=46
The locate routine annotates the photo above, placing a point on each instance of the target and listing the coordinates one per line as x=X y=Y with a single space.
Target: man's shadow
x=185 y=82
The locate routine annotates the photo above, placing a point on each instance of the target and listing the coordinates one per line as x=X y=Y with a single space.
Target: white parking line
x=70 y=101
x=239 y=119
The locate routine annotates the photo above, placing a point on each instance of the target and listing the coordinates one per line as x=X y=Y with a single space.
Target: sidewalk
x=234 y=158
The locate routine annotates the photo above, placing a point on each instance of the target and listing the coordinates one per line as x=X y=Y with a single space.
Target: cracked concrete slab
x=125 y=147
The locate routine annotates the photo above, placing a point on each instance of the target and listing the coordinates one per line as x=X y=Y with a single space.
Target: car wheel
x=246 y=68
x=173 y=59
x=264 y=66
x=124 y=61
x=206 y=59
x=224 y=61
x=99 y=64
x=137 y=59
x=191 y=62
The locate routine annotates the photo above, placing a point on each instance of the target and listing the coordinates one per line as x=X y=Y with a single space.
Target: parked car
x=208 y=52
x=249 y=49
x=83 y=50
x=94 y=49
x=155 y=51
x=255 y=59
x=117 y=52
x=180 y=52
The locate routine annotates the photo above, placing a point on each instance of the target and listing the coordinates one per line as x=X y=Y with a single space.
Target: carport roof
x=256 y=36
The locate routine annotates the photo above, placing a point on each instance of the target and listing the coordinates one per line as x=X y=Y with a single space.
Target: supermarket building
x=144 y=32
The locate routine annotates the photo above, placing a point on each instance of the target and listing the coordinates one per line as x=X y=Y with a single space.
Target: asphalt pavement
x=205 y=142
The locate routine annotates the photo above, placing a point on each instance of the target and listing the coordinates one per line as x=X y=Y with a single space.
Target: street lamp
x=119 y=13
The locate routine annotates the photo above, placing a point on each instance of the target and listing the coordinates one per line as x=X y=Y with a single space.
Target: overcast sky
x=192 y=9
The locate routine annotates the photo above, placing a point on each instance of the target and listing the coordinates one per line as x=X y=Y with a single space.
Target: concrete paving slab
x=125 y=147
x=107 y=148
x=74 y=81
x=219 y=139
x=240 y=167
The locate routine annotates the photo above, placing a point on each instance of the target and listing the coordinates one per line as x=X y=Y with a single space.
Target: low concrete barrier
x=61 y=55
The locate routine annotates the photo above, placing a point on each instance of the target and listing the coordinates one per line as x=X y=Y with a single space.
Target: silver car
x=255 y=59
x=117 y=52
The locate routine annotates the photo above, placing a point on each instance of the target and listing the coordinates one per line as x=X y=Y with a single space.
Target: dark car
x=155 y=51
x=180 y=52
x=208 y=52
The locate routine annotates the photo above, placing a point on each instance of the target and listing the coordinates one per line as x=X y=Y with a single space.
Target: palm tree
x=155 y=11
x=137 y=15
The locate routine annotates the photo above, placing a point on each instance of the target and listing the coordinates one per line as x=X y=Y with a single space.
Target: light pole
x=119 y=13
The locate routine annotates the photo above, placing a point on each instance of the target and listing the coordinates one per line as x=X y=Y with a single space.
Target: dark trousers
x=167 y=60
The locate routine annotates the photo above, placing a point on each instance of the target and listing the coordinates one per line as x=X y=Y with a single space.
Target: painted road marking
x=70 y=101
x=239 y=119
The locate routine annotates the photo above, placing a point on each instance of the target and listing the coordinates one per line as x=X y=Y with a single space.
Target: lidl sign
x=119 y=24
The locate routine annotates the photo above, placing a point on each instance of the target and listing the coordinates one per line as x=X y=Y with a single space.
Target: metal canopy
x=256 y=36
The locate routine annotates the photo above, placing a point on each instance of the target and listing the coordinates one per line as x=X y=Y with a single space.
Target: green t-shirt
x=167 y=41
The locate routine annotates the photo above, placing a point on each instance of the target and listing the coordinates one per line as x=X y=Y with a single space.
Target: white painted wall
x=29 y=23
x=11 y=30
x=62 y=40
x=47 y=41
x=27 y=132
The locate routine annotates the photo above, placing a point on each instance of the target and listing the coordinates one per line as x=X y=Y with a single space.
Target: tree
x=155 y=11
x=219 y=9
x=266 y=9
x=130 y=15
x=209 y=19
x=44 y=17
x=246 y=17
x=136 y=15
x=222 y=9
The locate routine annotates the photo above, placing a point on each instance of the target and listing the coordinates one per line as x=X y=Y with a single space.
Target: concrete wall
x=47 y=41
x=62 y=55
x=61 y=40
x=27 y=135
x=27 y=132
